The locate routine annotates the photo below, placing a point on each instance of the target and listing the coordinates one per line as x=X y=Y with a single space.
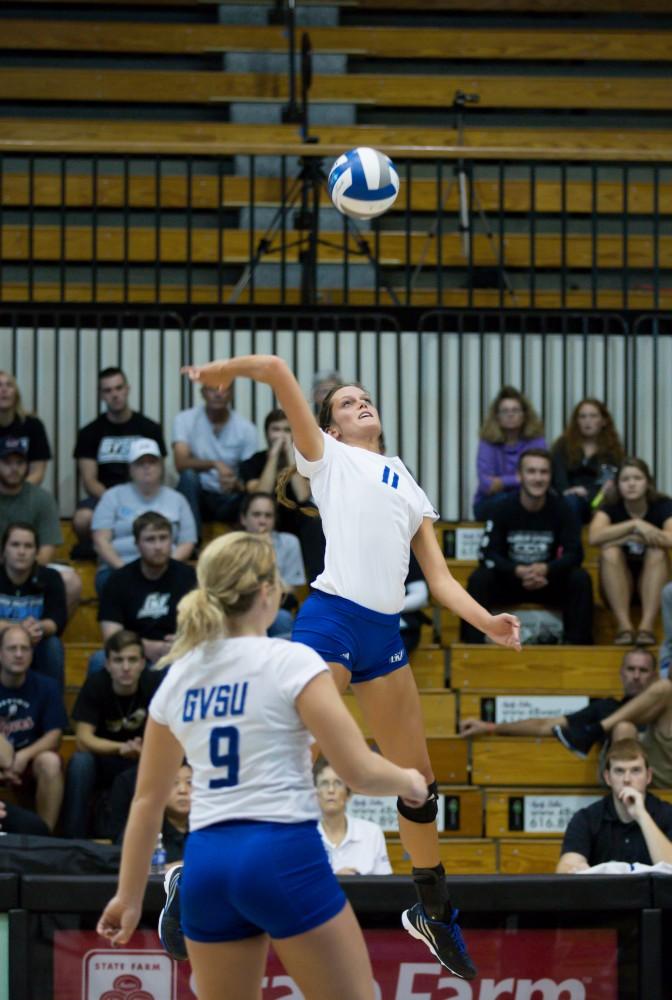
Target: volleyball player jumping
x=372 y=512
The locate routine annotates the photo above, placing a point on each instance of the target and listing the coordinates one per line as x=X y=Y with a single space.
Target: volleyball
x=363 y=183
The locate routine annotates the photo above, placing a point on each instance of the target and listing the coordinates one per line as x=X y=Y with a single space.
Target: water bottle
x=158 y=865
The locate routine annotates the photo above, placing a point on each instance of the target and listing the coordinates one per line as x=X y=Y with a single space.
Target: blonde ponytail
x=230 y=572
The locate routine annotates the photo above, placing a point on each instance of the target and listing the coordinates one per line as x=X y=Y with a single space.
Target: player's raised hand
x=505 y=631
x=216 y=374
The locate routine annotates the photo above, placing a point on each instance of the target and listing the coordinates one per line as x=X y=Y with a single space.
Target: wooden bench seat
x=505 y=760
x=208 y=192
x=459 y=857
x=227 y=139
x=167 y=245
x=78 y=291
x=528 y=857
x=591 y=670
x=151 y=86
x=438 y=711
x=539 y=44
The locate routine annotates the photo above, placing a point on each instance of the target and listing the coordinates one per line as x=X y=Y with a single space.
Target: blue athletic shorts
x=245 y=878
x=365 y=642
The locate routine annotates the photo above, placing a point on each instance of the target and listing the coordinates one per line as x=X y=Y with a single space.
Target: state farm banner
x=514 y=965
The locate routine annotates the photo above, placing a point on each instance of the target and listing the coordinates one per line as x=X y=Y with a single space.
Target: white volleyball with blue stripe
x=363 y=183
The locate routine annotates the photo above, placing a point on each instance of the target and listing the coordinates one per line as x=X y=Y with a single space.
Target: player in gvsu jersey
x=242 y=707
x=373 y=512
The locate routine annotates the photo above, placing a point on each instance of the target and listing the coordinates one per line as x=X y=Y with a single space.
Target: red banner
x=513 y=965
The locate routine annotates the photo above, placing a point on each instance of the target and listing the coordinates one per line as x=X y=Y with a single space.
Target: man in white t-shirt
x=209 y=443
x=354 y=846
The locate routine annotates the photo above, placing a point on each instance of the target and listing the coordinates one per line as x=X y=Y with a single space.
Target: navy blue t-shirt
x=30 y=711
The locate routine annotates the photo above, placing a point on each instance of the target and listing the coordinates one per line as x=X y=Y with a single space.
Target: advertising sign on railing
x=514 y=965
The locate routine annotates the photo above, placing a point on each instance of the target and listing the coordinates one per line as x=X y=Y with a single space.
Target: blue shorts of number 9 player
x=365 y=642
x=244 y=878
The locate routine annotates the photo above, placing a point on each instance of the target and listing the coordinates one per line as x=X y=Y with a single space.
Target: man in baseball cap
x=141 y=447
x=13 y=446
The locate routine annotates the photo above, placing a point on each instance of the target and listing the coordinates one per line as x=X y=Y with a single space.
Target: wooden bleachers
x=150 y=86
x=144 y=192
x=529 y=857
x=459 y=857
x=509 y=44
x=589 y=670
x=529 y=761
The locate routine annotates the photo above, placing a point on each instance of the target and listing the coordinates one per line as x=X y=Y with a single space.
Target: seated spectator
x=143 y=595
x=634 y=534
x=510 y=428
x=209 y=443
x=323 y=383
x=32 y=719
x=109 y=715
x=33 y=595
x=102 y=448
x=257 y=515
x=175 y=818
x=21 y=501
x=417 y=597
x=666 y=648
x=651 y=710
x=17 y=424
x=13 y=818
x=113 y=519
x=531 y=551
x=629 y=824
x=638 y=672
x=354 y=846
x=586 y=457
x=275 y=465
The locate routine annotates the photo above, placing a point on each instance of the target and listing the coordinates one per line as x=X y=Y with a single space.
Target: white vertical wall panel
x=433 y=388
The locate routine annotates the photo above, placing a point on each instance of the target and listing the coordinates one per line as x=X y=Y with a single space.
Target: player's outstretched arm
x=159 y=763
x=322 y=711
x=273 y=371
x=503 y=629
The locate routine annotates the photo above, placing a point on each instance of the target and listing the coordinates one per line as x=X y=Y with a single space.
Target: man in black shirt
x=102 y=446
x=629 y=824
x=143 y=595
x=531 y=551
x=110 y=714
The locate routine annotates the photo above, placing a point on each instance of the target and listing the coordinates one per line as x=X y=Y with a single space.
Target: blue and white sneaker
x=444 y=940
x=170 y=929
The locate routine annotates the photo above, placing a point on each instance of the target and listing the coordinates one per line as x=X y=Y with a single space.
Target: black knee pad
x=427 y=812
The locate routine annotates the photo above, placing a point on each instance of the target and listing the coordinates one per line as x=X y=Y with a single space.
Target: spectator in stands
x=109 y=715
x=35 y=596
x=13 y=818
x=209 y=443
x=510 y=428
x=586 y=457
x=323 y=383
x=175 y=827
x=260 y=475
x=638 y=672
x=102 y=447
x=21 y=501
x=113 y=519
x=666 y=648
x=417 y=597
x=634 y=534
x=629 y=824
x=16 y=423
x=531 y=551
x=32 y=719
x=143 y=595
x=354 y=846
x=650 y=710
x=257 y=515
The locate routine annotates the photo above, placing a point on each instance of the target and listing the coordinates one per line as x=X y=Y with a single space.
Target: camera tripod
x=468 y=198
x=304 y=196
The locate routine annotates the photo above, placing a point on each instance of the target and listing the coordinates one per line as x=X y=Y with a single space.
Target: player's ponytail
x=230 y=572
